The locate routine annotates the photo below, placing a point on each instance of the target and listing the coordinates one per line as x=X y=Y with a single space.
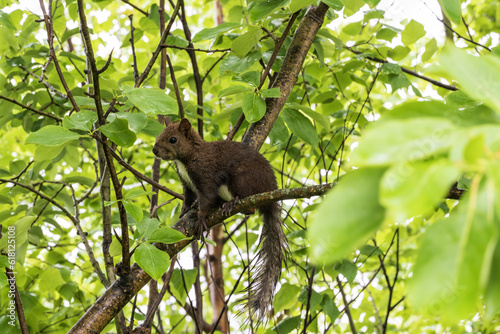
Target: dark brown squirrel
x=218 y=174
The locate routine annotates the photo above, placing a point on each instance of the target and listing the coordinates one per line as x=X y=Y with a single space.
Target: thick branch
x=287 y=76
x=124 y=288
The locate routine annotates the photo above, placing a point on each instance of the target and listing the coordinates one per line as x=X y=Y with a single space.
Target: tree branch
x=54 y=117
x=287 y=76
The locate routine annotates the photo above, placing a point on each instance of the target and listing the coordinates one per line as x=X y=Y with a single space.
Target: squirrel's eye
x=173 y=140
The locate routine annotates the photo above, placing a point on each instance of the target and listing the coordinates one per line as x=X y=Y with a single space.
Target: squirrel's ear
x=184 y=125
x=167 y=121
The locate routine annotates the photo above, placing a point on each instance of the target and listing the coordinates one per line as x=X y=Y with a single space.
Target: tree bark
x=287 y=76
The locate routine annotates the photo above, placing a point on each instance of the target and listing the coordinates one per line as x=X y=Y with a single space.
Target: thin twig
x=194 y=49
x=176 y=87
x=132 y=29
x=54 y=117
x=52 y=52
x=46 y=84
x=135 y=7
x=159 y=47
x=75 y=222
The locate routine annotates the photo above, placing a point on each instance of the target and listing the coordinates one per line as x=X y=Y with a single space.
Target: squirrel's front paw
x=228 y=206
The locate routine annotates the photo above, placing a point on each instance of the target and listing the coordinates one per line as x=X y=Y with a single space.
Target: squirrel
x=219 y=173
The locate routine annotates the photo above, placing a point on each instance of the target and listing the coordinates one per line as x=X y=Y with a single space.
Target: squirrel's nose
x=155 y=150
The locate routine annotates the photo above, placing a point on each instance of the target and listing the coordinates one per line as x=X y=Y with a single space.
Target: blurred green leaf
x=476 y=75
x=348 y=215
x=395 y=141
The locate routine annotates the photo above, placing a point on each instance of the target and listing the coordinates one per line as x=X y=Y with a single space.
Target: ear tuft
x=167 y=121
x=184 y=125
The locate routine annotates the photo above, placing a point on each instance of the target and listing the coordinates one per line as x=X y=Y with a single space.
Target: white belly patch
x=224 y=193
x=181 y=169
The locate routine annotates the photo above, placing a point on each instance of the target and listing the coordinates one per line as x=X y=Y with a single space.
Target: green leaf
x=330 y=308
x=452 y=9
x=7 y=40
x=51 y=135
x=133 y=210
x=413 y=188
x=271 y=92
x=387 y=34
x=476 y=75
x=263 y=8
x=352 y=6
x=17 y=166
x=301 y=126
x=295 y=5
x=4 y=261
x=233 y=90
x=137 y=192
x=398 y=81
x=393 y=141
x=287 y=325
x=254 y=107
x=492 y=293
x=352 y=29
x=68 y=33
x=86 y=181
x=151 y=101
x=49 y=279
x=334 y=4
x=167 y=235
x=399 y=52
x=136 y=121
x=82 y=120
x=43 y=152
x=316 y=116
x=372 y=3
x=244 y=43
x=286 y=297
x=313 y=301
x=347 y=217
x=71 y=55
x=119 y=132
x=412 y=33
x=20 y=229
x=454 y=258
x=146 y=226
x=154 y=261
x=232 y=63
x=211 y=33
x=348 y=269
x=182 y=281
x=430 y=49
x=376 y=14
x=252 y=78
x=279 y=132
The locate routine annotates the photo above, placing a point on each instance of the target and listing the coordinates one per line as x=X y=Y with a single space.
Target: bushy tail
x=269 y=261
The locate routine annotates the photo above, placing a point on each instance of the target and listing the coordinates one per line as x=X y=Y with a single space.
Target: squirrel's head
x=176 y=142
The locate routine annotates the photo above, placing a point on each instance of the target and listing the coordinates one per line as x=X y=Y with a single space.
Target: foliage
x=375 y=107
